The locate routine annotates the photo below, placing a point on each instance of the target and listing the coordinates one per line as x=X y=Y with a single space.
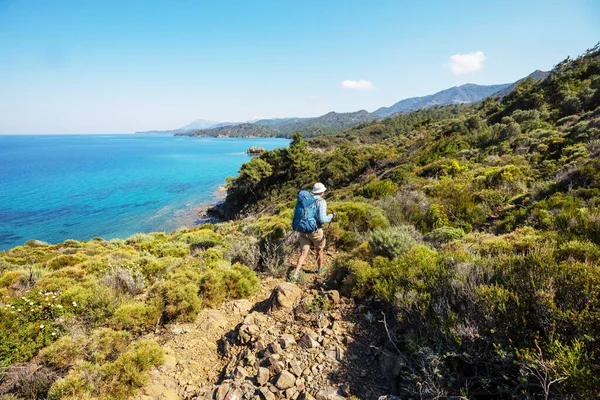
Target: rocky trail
x=288 y=342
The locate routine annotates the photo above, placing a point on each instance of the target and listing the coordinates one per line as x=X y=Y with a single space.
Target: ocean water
x=58 y=187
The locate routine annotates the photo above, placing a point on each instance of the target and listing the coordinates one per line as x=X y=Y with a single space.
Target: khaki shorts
x=316 y=238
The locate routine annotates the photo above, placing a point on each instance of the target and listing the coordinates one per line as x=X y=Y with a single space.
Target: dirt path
x=317 y=346
x=192 y=358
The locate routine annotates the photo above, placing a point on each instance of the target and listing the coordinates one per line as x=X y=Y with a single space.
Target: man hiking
x=310 y=214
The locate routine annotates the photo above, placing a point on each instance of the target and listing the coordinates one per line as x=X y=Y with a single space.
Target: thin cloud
x=358 y=85
x=465 y=63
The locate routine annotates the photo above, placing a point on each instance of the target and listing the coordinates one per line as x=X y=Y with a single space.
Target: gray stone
x=308 y=342
x=329 y=393
x=248 y=333
x=276 y=368
x=285 y=380
x=240 y=373
x=222 y=391
x=295 y=367
x=284 y=296
x=333 y=296
x=274 y=348
x=289 y=393
x=286 y=341
x=263 y=376
x=266 y=394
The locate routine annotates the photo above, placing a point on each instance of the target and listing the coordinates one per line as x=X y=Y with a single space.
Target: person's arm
x=322 y=212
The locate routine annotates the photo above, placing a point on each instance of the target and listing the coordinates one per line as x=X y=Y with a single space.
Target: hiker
x=309 y=216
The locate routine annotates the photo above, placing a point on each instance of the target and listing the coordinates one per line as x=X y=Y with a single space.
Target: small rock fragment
x=285 y=380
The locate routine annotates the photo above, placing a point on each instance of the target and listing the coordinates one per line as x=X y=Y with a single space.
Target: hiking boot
x=293 y=278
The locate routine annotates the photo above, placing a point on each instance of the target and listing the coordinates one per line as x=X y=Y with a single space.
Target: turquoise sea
x=58 y=187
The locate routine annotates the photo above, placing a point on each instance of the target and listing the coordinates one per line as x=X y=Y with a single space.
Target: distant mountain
x=536 y=75
x=200 y=124
x=191 y=127
x=283 y=127
x=468 y=93
x=334 y=122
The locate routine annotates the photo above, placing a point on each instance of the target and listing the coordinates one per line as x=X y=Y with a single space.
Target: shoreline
x=197 y=214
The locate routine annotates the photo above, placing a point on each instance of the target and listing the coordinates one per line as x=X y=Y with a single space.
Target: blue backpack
x=305 y=213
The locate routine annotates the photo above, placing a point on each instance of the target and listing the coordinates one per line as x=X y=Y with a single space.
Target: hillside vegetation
x=478 y=227
x=331 y=122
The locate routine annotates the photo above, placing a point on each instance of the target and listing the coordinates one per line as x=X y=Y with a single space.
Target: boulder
x=284 y=296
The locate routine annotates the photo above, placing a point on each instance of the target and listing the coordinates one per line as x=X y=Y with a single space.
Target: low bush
x=128 y=372
x=177 y=299
x=378 y=189
x=443 y=235
x=64 y=352
x=392 y=242
x=123 y=280
x=136 y=317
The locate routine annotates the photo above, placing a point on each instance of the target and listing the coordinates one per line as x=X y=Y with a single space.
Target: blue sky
x=124 y=66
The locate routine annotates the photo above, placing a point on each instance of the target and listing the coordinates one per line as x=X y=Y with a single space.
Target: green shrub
x=392 y=242
x=176 y=249
x=583 y=251
x=10 y=278
x=359 y=217
x=91 y=300
x=235 y=282
x=64 y=260
x=177 y=296
x=135 y=316
x=444 y=234
x=83 y=381
x=361 y=279
x=378 y=189
x=62 y=279
x=408 y=281
x=153 y=267
x=128 y=372
x=64 y=352
x=240 y=281
x=106 y=344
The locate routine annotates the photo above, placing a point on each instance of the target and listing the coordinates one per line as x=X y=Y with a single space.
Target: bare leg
x=320 y=257
x=301 y=260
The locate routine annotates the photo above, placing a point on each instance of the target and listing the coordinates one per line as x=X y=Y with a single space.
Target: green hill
x=284 y=127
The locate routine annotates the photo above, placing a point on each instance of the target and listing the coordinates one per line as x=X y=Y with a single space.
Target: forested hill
x=284 y=127
x=333 y=122
x=479 y=226
x=465 y=94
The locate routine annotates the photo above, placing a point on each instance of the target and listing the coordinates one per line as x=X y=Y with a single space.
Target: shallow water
x=58 y=187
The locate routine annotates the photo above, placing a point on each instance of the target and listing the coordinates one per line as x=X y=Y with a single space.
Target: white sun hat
x=318 y=188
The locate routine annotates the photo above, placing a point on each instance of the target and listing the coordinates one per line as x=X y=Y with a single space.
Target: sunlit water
x=59 y=187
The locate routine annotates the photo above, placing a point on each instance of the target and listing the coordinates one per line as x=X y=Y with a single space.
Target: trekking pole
x=327 y=230
x=283 y=241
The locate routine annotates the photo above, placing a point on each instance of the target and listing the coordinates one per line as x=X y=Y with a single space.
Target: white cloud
x=358 y=85
x=465 y=63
